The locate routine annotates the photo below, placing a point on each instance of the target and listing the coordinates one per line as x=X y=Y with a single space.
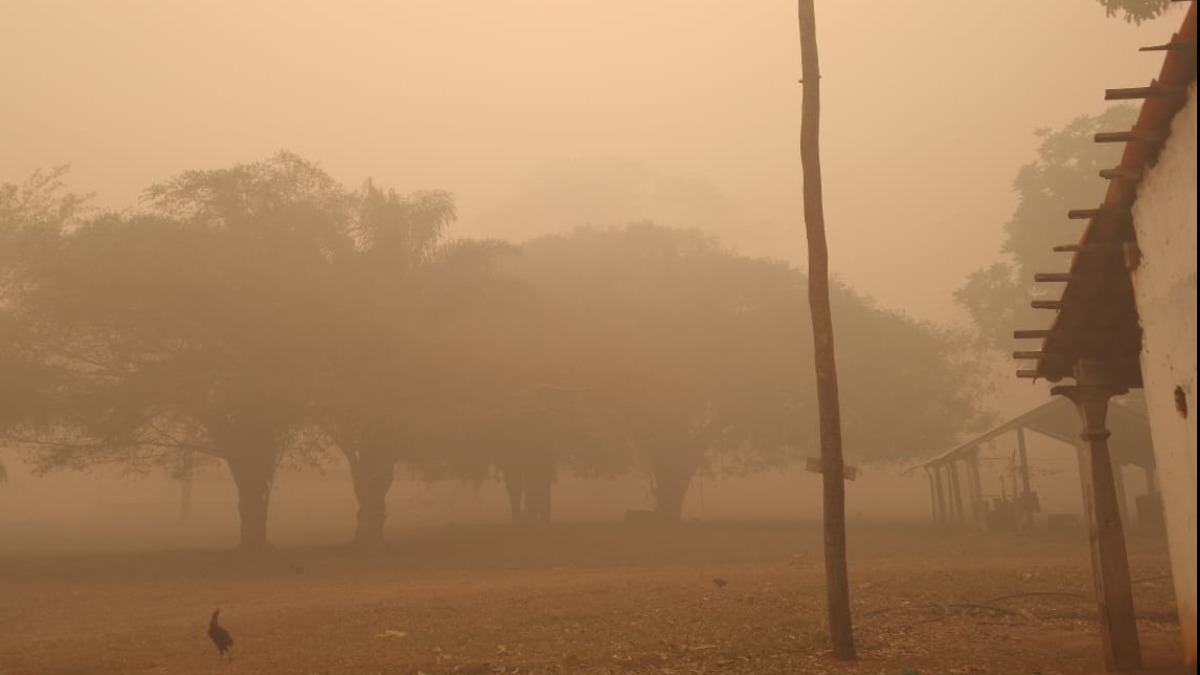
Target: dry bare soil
x=582 y=598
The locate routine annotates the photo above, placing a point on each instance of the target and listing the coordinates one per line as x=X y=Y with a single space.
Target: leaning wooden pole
x=837 y=583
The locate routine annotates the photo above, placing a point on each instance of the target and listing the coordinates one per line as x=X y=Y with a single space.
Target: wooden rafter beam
x=1090 y=246
x=1053 y=277
x=1135 y=93
x=1121 y=174
x=1106 y=211
x=1035 y=354
x=1178 y=45
x=1132 y=136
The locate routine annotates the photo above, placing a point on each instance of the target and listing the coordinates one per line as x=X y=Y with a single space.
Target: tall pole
x=837 y=583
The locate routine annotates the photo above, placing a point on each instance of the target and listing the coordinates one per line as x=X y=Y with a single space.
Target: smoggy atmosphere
x=427 y=337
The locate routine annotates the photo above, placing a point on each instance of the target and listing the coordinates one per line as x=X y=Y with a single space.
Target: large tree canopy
x=705 y=356
x=33 y=217
x=241 y=312
x=264 y=314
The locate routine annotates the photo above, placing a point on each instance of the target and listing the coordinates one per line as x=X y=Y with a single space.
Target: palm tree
x=403 y=279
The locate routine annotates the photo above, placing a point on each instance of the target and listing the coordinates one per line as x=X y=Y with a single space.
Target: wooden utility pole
x=837 y=582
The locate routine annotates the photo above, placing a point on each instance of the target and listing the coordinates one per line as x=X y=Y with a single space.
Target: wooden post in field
x=837 y=580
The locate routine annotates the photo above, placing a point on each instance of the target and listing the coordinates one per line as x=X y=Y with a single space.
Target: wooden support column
x=932 y=497
x=956 y=496
x=1024 y=500
x=1110 y=563
x=1122 y=494
x=979 y=507
x=939 y=488
x=972 y=500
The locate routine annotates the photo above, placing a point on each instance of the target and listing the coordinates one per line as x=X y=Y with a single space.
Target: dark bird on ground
x=720 y=582
x=220 y=637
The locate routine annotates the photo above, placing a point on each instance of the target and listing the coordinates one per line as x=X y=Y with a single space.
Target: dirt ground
x=582 y=598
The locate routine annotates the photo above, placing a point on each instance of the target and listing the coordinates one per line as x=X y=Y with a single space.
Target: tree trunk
x=185 y=501
x=669 y=493
x=252 y=474
x=538 y=496
x=528 y=480
x=373 y=475
x=836 y=577
x=672 y=478
x=514 y=484
x=538 y=480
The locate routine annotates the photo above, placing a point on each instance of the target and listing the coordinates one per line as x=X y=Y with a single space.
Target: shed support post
x=939 y=499
x=1025 y=499
x=940 y=490
x=961 y=496
x=932 y=497
x=978 y=507
x=1122 y=494
x=956 y=514
x=1110 y=563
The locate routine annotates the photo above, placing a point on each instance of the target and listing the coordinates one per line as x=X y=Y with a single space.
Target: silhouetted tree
x=513 y=374
x=697 y=358
x=33 y=217
x=190 y=325
x=402 y=288
x=262 y=314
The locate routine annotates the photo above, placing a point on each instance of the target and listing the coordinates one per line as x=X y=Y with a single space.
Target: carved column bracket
x=1097 y=383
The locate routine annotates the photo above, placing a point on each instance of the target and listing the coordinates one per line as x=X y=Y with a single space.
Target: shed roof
x=1097 y=318
x=1058 y=419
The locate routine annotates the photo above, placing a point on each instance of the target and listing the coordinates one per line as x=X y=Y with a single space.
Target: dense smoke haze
x=441 y=337
x=929 y=110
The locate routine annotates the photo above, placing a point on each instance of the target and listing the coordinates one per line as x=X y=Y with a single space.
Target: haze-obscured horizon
x=684 y=112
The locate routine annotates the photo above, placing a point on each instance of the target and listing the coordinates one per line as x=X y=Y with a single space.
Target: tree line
x=265 y=314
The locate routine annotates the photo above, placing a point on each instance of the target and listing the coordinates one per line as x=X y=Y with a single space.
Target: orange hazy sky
x=928 y=107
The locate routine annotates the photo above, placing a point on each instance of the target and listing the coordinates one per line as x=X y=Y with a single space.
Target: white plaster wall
x=1165 y=289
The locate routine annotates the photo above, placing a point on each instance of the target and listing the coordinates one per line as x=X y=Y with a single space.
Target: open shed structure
x=1127 y=319
x=956 y=489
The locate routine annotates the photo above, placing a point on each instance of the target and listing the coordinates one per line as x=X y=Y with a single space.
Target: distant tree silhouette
x=259 y=315
x=33 y=217
x=699 y=359
x=263 y=315
x=188 y=324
